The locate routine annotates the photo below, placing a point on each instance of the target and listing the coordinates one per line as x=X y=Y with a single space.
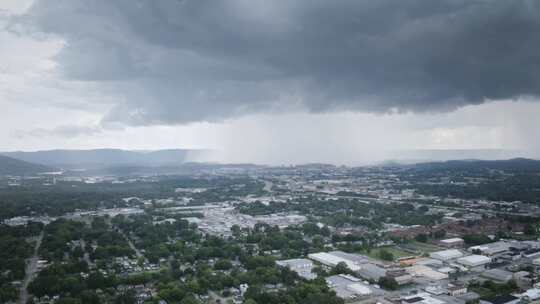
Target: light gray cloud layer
x=182 y=61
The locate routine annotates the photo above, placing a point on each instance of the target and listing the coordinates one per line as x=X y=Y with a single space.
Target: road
x=268 y=185
x=86 y=256
x=216 y=298
x=31 y=269
x=137 y=252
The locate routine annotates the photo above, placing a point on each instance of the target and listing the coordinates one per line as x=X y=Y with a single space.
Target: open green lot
x=396 y=252
x=420 y=247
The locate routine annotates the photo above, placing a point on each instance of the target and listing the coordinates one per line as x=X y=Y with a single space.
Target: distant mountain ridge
x=514 y=164
x=12 y=166
x=416 y=156
x=104 y=157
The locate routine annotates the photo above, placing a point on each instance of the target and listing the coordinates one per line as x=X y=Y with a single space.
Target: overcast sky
x=271 y=81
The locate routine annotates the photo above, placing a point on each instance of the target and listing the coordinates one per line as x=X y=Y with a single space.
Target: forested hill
x=11 y=166
x=499 y=180
x=510 y=165
x=104 y=157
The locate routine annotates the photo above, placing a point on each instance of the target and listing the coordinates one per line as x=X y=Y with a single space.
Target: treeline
x=57 y=237
x=34 y=198
x=154 y=239
x=65 y=279
x=523 y=187
x=197 y=263
x=53 y=202
x=342 y=212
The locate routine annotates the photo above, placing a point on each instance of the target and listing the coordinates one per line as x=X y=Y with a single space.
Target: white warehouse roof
x=427 y=272
x=452 y=240
x=332 y=260
x=359 y=289
x=474 y=260
x=295 y=263
x=446 y=255
x=532 y=294
x=492 y=248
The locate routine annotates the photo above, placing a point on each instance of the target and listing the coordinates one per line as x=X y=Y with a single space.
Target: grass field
x=421 y=247
x=375 y=253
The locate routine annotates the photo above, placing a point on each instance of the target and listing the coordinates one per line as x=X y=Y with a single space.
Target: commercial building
x=421 y=298
x=371 y=272
x=531 y=253
x=446 y=255
x=446 y=270
x=348 y=287
x=474 y=261
x=523 y=279
x=491 y=248
x=427 y=272
x=452 y=243
x=400 y=276
x=331 y=259
x=505 y=299
x=456 y=289
x=301 y=266
x=499 y=275
x=435 y=289
x=355 y=258
x=429 y=262
x=426 y=298
x=532 y=294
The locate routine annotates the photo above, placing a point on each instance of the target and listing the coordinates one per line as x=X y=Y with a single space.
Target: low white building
x=474 y=261
x=497 y=275
x=427 y=272
x=331 y=260
x=446 y=255
x=421 y=298
x=348 y=287
x=359 y=289
x=456 y=289
x=532 y=294
x=491 y=248
x=452 y=243
x=302 y=267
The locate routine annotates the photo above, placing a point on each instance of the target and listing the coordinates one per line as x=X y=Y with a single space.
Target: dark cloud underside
x=192 y=60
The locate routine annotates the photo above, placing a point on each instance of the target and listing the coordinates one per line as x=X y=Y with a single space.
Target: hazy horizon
x=216 y=156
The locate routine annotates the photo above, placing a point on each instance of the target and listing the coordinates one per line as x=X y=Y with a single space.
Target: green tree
x=421 y=238
x=223 y=264
x=529 y=229
x=341 y=268
x=386 y=255
x=89 y=297
x=439 y=234
x=388 y=283
x=127 y=297
x=190 y=300
x=236 y=231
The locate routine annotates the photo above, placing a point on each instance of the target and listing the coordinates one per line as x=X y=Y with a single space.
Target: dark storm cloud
x=184 y=61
